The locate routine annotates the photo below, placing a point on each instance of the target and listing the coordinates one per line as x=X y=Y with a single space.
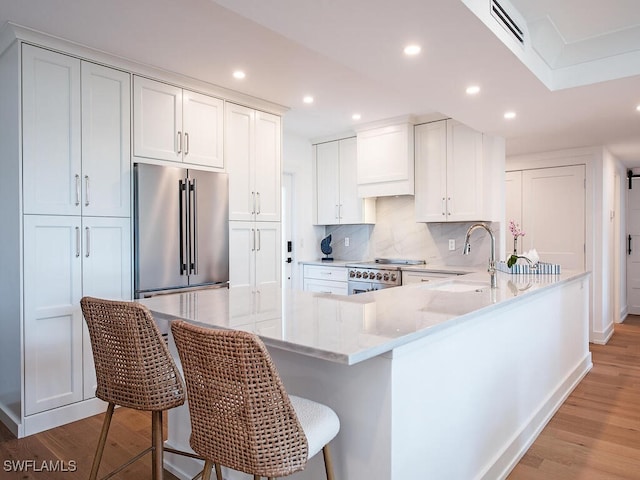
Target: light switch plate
x=452 y=244
x=346 y=241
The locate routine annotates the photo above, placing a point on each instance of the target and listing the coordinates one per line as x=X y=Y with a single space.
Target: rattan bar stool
x=134 y=369
x=241 y=415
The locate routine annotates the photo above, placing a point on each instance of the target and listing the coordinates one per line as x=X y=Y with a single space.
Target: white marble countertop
x=351 y=329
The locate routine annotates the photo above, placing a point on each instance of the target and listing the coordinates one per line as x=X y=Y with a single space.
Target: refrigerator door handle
x=182 y=191
x=193 y=228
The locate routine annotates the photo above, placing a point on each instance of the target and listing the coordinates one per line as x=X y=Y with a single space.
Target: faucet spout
x=492 y=258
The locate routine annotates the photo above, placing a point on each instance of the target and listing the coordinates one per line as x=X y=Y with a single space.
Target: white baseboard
x=515 y=450
x=61 y=416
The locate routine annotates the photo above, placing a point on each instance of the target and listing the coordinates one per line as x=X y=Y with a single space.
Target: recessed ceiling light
x=638 y=108
x=473 y=90
x=510 y=115
x=412 y=49
x=308 y=99
x=239 y=74
x=356 y=116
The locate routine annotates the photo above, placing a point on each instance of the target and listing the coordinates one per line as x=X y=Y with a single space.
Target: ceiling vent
x=507 y=22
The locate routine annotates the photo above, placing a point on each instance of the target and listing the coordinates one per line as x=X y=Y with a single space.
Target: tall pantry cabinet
x=66 y=209
x=253 y=158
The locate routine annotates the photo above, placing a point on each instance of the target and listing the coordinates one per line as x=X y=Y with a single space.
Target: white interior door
x=553 y=214
x=633 y=248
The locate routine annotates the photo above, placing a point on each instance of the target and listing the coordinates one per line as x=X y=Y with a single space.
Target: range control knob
x=352 y=274
x=365 y=274
x=386 y=277
x=358 y=274
x=378 y=276
x=393 y=277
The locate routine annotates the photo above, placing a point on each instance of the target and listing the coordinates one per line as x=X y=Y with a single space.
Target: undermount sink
x=460 y=286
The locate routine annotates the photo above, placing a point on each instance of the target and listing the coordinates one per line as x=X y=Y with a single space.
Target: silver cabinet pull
x=186 y=143
x=449 y=203
x=444 y=208
x=253 y=203
x=86 y=190
x=253 y=245
x=340 y=211
x=77 y=242
x=77 y=189
x=87 y=234
x=179 y=142
x=258 y=201
x=259 y=240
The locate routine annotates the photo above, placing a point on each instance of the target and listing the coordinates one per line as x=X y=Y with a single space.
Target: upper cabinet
x=337 y=200
x=67 y=172
x=385 y=165
x=454 y=173
x=252 y=153
x=175 y=124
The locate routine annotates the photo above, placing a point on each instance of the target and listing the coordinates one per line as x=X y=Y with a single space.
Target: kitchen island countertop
x=351 y=329
x=420 y=376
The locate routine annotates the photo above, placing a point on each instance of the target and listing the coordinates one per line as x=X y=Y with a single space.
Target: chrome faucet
x=492 y=258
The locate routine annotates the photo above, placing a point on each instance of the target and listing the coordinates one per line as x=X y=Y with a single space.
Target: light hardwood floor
x=595 y=435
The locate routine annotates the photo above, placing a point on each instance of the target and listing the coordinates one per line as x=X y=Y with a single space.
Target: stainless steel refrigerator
x=181 y=229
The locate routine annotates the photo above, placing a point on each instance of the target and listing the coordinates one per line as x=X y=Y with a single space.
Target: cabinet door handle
x=86 y=190
x=77 y=242
x=179 y=141
x=259 y=240
x=77 y=189
x=258 y=208
x=444 y=207
x=253 y=203
x=340 y=211
x=425 y=280
x=449 y=203
x=337 y=212
x=87 y=235
x=253 y=245
x=186 y=143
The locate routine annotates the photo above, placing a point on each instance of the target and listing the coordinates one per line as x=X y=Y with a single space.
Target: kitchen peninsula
x=445 y=380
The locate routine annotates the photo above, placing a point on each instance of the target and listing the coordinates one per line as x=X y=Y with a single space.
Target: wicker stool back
x=241 y=415
x=133 y=369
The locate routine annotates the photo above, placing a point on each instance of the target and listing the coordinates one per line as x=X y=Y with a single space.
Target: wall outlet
x=346 y=241
x=452 y=244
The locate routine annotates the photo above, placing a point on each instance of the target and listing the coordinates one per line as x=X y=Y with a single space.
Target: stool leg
x=101 y=442
x=157 y=457
x=328 y=463
x=218 y=472
x=206 y=472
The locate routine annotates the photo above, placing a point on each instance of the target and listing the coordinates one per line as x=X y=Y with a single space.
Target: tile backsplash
x=396 y=234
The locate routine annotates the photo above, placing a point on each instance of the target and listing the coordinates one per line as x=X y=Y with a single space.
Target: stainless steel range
x=381 y=273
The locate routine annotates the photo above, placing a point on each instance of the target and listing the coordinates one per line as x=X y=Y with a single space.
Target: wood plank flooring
x=74 y=446
x=595 y=435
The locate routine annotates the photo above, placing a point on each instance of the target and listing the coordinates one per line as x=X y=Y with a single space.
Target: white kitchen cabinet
x=67 y=257
x=254 y=254
x=385 y=160
x=175 y=124
x=76 y=128
x=253 y=158
x=337 y=200
x=411 y=276
x=325 y=279
x=450 y=173
x=66 y=207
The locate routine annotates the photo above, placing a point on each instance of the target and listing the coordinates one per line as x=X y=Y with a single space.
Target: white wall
x=296 y=157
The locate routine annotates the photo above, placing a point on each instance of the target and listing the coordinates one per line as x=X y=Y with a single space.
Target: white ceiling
x=348 y=55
